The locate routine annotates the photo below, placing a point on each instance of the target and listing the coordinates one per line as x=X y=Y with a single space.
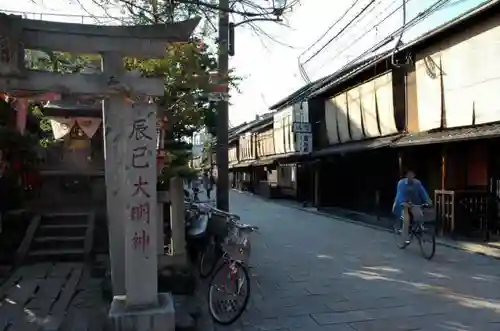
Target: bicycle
x=234 y=273
x=419 y=230
x=213 y=250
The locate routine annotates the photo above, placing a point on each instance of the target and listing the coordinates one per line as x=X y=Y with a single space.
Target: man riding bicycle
x=410 y=191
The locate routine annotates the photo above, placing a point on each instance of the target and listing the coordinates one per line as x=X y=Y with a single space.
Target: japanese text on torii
x=140 y=209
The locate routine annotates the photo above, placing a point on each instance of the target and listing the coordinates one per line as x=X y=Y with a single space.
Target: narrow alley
x=317 y=273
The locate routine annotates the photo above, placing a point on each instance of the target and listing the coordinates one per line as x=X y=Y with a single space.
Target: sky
x=270 y=68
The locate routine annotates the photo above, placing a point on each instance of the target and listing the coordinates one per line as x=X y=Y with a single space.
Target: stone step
x=55 y=252
x=65 y=219
x=58 y=242
x=61 y=230
x=64 y=226
x=59 y=238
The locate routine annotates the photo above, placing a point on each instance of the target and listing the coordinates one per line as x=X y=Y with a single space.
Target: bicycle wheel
x=427 y=241
x=235 y=281
x=398 y=235
x=208 y=259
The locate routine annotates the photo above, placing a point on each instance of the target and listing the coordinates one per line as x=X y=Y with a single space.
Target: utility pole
x=224 y=41
x=222 y=161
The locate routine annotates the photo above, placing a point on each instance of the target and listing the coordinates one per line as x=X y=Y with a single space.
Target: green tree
x=189 y=70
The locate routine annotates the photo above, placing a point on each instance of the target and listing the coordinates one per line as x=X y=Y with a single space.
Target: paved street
x=316 y=273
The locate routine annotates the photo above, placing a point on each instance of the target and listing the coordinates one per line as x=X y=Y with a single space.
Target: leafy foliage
x=189 y=70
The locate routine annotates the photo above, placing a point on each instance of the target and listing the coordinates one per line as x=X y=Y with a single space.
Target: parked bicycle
x=229 y=287
x=197 y=236
x=217 y=234
x=424 y=232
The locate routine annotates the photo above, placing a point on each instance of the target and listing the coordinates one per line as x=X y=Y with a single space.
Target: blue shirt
x=414 y=193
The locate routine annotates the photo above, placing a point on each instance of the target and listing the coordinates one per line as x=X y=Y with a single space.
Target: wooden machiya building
x=436 y=112
x=243 y=153
x=453 y=108
x=265 y=154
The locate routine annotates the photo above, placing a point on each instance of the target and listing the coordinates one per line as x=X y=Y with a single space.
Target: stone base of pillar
x=159 y=318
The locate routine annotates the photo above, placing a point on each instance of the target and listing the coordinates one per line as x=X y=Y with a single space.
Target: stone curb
x=439 y=241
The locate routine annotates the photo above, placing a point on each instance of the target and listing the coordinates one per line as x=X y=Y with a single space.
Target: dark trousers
x=209 y=190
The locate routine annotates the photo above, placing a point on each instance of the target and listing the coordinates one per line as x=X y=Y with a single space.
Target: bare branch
x=240 y=11
x=260 y=32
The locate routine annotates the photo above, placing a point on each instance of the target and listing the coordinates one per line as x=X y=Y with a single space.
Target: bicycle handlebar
x=225 y=213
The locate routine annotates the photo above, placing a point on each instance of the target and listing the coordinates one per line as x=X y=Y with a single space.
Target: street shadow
x=473 y=299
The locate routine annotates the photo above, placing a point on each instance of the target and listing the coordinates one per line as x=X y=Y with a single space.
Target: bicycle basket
x=237 y=245
x=218 y=225
x=428 y=215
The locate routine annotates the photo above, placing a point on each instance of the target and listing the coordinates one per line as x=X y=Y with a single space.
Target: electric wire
x=368 y=27
x=302 y=70
x=417 y=19
x=330 y=27
x=340 y=32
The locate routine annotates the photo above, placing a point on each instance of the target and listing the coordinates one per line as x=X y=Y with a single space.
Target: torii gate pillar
x=130 y=143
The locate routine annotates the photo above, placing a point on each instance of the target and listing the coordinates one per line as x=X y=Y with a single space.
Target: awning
x=286 y=157
x=357 y=146
x=264 y=162
x=449 y=135
x=243 y=164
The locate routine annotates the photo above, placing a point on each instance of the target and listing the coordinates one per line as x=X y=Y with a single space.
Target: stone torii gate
x=130 y=141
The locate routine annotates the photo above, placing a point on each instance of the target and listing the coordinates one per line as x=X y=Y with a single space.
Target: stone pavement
x=312 y=273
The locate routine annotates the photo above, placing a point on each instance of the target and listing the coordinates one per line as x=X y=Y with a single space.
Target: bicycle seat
x=242 y=226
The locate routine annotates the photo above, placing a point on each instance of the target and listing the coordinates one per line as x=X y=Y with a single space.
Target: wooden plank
x=58 y=312
x=28 y=237
x=11 y=281
x=61 y=270
x=40 y=270
x=81 y=84
x=12 y=312
x=50 y=288
x=89 y=235
x=23 y=291
x=22 y=323
x=140 y=41
x=20 y=273
x=9 y=313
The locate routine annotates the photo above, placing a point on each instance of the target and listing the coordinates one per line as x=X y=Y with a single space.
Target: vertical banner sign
x=140 y=205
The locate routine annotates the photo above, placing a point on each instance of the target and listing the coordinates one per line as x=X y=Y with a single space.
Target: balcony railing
x=464 y=212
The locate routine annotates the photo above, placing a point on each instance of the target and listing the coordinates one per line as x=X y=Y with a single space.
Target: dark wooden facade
x=436 y=113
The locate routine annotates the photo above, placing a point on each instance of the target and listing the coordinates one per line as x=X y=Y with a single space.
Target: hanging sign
x=89 y=125
x=61 y=126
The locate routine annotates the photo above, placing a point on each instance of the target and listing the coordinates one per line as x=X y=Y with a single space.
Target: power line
x=440 y=6
x=341 y=30
x=419 y=17
x=370 y=28
x=330 y=27
x=370 y=22
x=302 y=70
